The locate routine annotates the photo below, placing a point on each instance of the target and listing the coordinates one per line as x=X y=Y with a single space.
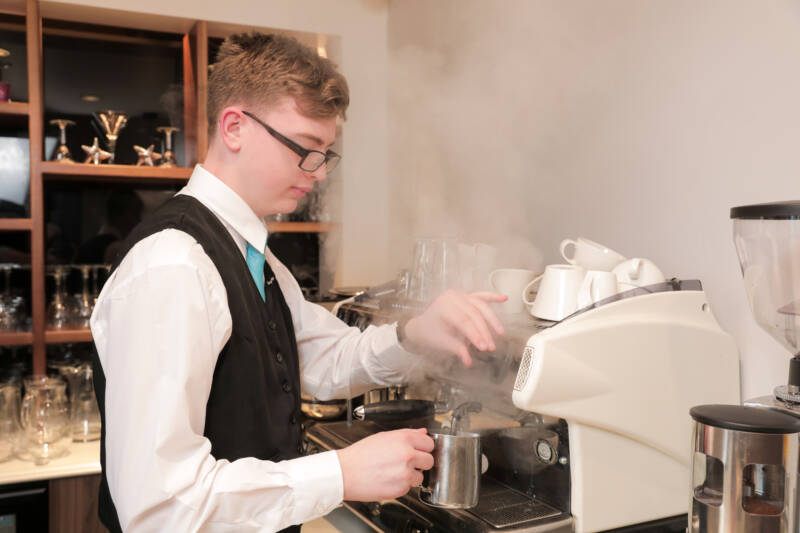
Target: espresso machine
x=583 y=426
x=746 y=457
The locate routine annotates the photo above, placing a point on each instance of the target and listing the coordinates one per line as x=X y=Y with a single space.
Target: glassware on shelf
x=168 y=157
x=84 y=300
x=59 y=315
x=111 y=122
x=62 y=153
x=12 y=308
x=84 y=412
x=9 y=418
x=96 y=286
x=7 y=315
x=44 y=418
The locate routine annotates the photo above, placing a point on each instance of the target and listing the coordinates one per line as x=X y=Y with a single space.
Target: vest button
x=293 y=420
x=301 y=449
x=287 y=387
x=279 y=357
x=272 y=325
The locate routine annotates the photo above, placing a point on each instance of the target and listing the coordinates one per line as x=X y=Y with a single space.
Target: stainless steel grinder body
x=745 y=470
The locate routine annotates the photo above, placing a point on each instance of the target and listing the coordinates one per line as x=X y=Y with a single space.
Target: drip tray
x=503 y=507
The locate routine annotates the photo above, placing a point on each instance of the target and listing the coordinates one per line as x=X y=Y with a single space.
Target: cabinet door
x=73 y=505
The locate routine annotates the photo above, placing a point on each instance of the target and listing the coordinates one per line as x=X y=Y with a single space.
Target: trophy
x=94 y=154
x=168 y=158
x=112 y=123
x=146 y=155
x=62 y=154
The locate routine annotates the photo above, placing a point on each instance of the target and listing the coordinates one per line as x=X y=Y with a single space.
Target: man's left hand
x=452 y=322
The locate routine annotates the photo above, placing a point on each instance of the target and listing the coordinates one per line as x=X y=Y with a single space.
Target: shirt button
x=287 y=386
x=272 y=325
x=279 y=357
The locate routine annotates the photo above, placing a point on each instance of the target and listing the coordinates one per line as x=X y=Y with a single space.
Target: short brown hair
x=258 y=68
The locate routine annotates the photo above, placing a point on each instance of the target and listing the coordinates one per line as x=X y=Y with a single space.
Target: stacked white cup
x=594 y=272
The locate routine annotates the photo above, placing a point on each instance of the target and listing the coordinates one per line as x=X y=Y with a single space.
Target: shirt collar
x=229 y=206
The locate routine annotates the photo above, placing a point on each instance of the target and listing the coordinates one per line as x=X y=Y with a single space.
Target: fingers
x=490 y=296
x=488 y=315
x=486 y=342
x=422 y=461
x=420 y=440
x=459 y=349
x=465 y=326
x=416 y=478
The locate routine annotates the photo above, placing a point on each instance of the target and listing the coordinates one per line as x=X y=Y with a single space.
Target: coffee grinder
x=746 y=457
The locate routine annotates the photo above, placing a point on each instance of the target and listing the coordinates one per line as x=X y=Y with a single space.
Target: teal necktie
x=255 y=262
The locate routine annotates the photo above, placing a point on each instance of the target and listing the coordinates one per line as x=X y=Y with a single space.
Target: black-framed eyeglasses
x=310 y=160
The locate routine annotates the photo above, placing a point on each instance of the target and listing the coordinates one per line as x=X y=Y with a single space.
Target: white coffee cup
x=590 y=255
x=510 y=281
x=597 y=285
x=557 y=297
x=638 y=272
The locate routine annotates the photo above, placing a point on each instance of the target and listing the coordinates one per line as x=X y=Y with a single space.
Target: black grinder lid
x=772 y=211
x=741 y=418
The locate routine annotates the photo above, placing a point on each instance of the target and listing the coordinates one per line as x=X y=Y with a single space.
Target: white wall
x=362 y=24
x=636 y=124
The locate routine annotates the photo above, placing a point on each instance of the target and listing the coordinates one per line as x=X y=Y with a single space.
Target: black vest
x=254 y=406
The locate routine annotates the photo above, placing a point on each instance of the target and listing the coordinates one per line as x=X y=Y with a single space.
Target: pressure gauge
x=546 y=452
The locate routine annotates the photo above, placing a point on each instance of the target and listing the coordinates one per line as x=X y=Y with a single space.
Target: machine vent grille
x=524 y=368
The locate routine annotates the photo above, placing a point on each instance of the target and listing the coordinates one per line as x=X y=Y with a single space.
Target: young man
x=204 y=339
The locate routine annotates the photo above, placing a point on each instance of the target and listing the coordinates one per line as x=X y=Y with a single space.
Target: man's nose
x=320 y=174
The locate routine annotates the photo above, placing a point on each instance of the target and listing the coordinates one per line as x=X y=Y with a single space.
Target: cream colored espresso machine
x=585 y=423
x=623 y=374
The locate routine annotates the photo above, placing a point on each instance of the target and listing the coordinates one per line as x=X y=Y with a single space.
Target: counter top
x=82 y=459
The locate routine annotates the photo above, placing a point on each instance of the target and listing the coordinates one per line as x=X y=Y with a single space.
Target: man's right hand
x=385 y=465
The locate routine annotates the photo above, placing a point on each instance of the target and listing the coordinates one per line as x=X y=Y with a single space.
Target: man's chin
x=284 y=207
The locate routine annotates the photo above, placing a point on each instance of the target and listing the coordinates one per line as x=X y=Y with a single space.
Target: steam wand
x=461 y=415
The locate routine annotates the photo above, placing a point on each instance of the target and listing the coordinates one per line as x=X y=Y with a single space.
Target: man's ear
x=230 y=128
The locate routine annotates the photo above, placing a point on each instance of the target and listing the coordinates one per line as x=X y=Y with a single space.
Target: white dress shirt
x=159 y=325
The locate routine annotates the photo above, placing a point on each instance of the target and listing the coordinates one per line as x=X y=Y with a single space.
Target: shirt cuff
x=317 y=484
x=392 y=362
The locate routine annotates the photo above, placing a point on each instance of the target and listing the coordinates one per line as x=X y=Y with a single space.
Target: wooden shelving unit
x=31 y=113
x=13 y=113
x=15 y=224
x=195 y=46
x=113 y=173
x=52 y=336
x=300 y=227
x=16 y=338
x=14 y=109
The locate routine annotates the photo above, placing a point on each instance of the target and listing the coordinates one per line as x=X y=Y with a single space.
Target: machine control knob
x=545 y=452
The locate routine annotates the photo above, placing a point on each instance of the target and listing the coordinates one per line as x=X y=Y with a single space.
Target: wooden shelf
x=300 y=227
x=54 y=336
x=16 y=338
x=14 y=113
x=15 y=224
x=124 y=173
x=14 y=108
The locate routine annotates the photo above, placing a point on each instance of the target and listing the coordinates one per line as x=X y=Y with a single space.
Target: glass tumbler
x=45 y=419
x=85 y=414
x=9 y=418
